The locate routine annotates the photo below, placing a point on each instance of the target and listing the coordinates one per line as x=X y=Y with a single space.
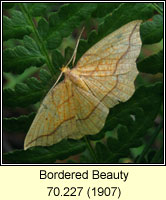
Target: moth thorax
x=76 y=79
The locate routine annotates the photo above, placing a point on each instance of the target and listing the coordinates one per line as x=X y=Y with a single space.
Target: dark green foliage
x=106 y=9
x=16 y=26
x=152 y=31
x=38 y=9
x=133 y=118
x=144 y=105
x=21 y=123
x=33 y=35
x=68 y=54
x=50 y=154
x=102 y=152
x=21 y=57
x=43 y=28
x=57 y=59
x=152 y=64
x=27 y=93
x=7 y=5
x=133 y=11
x=62 y=23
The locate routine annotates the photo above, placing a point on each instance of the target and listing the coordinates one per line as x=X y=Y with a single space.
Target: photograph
x=82 y=83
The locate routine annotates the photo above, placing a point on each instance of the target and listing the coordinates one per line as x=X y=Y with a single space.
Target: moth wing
x=55 y=118
x=109 y=67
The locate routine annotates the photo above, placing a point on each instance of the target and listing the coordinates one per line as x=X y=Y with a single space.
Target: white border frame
x=81 y=164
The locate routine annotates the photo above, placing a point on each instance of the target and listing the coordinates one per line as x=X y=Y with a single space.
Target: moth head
x=65 y=69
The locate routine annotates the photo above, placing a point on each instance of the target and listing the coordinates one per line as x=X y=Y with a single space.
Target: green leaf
x=54 y=40
x=50 y=154
x=147 y=98
x=7 y=5
x=29 y=93
x=116 y=149
x=160 y=6
x=16 y=26
x=57 y=59
x=132 y=119
x=150 y=156
x=152 y=64
x=104 y=9
x=102 y=152
x=21 y=88
x=44 y=76
x=21 y=57
x=65 y=20
x=159 y=156
x=68 y=54
x=31 y=45
x=152 y=31
x=13 y=98
x=110 y=153
x=122 y=15
x=37 y=9
x=34 y=84
x=43 y=28
x=86 y=158
x=21 y=123
x=142 y=108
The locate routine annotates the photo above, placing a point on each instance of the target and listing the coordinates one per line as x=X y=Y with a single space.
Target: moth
x=79 y=105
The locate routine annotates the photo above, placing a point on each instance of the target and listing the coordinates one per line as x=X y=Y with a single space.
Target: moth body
x=74 y=78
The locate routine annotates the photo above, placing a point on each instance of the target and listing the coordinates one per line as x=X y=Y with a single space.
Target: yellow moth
x=79 y=105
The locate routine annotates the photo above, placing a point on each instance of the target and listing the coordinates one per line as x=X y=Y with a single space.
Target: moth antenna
x=75 y=50
x=57 y=79
x=60 y=75
x=72 y=58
